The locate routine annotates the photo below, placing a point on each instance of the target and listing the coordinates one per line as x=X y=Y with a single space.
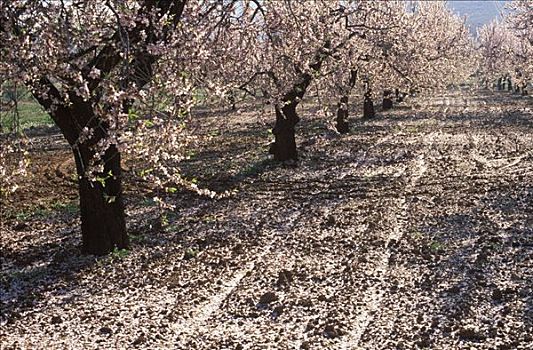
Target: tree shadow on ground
x=30 y=274
x=482 y=254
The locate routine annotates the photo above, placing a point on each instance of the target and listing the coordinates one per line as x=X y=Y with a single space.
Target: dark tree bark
x=368 y=107
x=387 y=100
x=284 y=146
x=499 y=84
x=342 y=116
x=342 y=108
x=509 y=85
x=231 y=100
x=103 y=222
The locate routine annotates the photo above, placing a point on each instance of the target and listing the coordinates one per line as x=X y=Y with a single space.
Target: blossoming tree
x=505 y=47
x=86 y=63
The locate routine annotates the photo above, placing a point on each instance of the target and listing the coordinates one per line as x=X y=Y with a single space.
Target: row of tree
x=505 y=48
x=120 y=76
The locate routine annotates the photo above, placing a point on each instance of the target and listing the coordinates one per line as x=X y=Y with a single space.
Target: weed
x=70 y=208
x=256 y=168
x=436 y=247
x=139 y=238
x=164 y=220
x=22 y=216
x=417 y=235
x=39 y=212
x=190 y=155
x=209 y=218
x=412 y=129
x=190 y=253
x=30 y=114
x=119 y=253
x=148 y=202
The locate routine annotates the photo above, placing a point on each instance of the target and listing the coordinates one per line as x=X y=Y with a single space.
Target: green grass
x=257 y=168
x=30 y=113
x=119 y=253
x=69 y=208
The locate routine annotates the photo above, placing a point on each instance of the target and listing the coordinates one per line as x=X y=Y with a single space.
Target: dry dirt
x=413 y=231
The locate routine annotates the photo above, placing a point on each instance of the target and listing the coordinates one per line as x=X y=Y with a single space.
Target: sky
x=478 y=12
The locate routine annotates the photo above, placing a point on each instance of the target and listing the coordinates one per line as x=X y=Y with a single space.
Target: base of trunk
x=342 y=126
x=342 y=116
x=103 y=222
x=387 y=100
x=399 y=96
x=387 y=104
x=284 y=146
x=368 y=108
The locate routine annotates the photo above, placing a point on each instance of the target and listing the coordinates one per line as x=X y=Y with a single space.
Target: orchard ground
x=415 y=230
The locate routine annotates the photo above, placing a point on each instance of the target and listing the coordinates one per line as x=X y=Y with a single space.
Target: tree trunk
x=342 y=108
x=387 y=100
x=399 y=95
x=284 y=146
x=103 y=224
x=231 y=100
x=342 y=115
x=368 y=107
x=101 y=204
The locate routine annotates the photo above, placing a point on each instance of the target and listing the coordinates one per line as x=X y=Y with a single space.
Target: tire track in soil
x=374 y=295
x=247 y=332
x=288 y=230
x=204 y=312
x=199 y=320
x=299 y=343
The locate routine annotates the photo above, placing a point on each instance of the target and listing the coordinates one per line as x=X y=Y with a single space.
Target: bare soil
x=415 y=230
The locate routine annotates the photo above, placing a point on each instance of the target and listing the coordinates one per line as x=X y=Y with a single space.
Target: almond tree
x=90 y=64
x=429 y=51
x=285 y=46
x=417 y=46
x=520 y=23
x=494 y=47
x=293 y=39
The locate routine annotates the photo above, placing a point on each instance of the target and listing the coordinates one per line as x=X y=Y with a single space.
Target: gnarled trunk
x=509 y=85
x=284 y=146
x=103 y=226
x=231 y=100
x=499 y=85
x=101 y=204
